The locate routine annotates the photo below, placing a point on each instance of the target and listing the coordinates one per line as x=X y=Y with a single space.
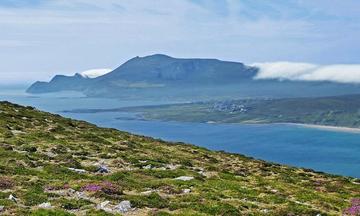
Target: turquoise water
x=329 y=151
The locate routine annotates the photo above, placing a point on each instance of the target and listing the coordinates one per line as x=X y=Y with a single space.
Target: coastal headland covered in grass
x=50 y=165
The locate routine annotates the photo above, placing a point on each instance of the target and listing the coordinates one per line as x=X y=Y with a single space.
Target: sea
x=333 y=152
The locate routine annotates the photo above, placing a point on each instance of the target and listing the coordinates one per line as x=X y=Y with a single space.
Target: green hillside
x=50 y=165
x=341 y=111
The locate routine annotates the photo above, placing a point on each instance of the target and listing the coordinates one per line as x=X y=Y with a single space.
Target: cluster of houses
x=229 y=107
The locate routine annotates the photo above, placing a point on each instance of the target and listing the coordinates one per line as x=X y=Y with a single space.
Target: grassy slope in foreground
x=37 y=149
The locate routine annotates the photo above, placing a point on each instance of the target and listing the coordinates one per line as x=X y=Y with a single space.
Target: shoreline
x=327 y=127
x=256 y=122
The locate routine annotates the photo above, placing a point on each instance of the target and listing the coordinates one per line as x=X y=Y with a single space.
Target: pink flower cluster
x=355 y=207
x=104 y=186
x=92 y=188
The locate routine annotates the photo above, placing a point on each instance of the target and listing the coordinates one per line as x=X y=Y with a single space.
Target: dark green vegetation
x=333 y=111
x=37 y=149
x=164 y=77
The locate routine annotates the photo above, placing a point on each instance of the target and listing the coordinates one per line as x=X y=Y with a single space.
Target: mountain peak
x=158 y=56
x=153 y=56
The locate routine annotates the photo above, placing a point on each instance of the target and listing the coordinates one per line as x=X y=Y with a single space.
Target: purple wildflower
x=354 y=209
x=92 y=188
x=106 y=187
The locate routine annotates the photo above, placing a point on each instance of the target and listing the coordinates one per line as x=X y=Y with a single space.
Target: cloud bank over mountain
x=93 y=73
x=342 y=73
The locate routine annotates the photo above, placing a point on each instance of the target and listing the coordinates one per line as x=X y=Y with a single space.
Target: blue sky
x=40 y=38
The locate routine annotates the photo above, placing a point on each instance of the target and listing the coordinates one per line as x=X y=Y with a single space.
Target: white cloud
x=93 y=73
x=64 y=36
x=342 y=73
x=283 y=70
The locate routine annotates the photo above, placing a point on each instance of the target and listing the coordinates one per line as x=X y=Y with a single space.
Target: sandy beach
x=329 y=128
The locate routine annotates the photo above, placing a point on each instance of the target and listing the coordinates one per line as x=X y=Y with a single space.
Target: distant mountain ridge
x=154 y=70
x=161 y=76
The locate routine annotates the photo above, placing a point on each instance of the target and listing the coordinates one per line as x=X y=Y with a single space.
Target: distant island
x=161 y=76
